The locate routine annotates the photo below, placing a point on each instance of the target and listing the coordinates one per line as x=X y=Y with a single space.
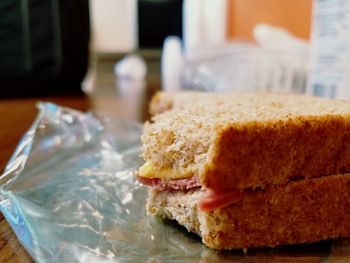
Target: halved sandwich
x=249 y=170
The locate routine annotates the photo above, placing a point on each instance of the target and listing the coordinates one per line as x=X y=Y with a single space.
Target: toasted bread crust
x=300 y=212
x=255 y=155
x=238 y=141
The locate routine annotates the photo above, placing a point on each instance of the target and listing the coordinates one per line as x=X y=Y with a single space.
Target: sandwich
x=246 y=170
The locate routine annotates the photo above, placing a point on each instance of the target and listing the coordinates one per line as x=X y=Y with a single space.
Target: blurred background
x=118 y=48
x=112 y=56
x=146 y=23
x=202 y=44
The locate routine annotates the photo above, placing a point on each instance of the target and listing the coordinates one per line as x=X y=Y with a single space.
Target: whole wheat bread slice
x=239 y=141
x=299 y=212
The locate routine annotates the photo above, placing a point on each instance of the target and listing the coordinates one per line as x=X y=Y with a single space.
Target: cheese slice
x=149 y=171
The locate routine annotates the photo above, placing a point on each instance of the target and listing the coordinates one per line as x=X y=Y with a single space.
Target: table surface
x=16 y=116
x=105 y=96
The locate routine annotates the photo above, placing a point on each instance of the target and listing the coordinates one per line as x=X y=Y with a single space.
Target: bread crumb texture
x=300 y=212
x=248 y=140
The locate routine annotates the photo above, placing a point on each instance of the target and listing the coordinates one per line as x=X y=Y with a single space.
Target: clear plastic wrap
x=247 y=68
x=69 y=194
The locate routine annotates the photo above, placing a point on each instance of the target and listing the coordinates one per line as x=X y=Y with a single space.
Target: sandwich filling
x=179 y=184
x=233 y=144
x=211 y=201
x=165 y=173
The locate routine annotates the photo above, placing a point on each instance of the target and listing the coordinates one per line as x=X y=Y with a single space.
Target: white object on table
x=131 y=67
x=130 y=73
x=204 y=24
x=171 y=64
x=278 y=38
x=284 y=58
x=330 y=50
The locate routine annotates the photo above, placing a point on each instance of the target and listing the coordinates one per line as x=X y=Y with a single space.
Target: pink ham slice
x=211 y=201
x=215 y=200
x=179 y=184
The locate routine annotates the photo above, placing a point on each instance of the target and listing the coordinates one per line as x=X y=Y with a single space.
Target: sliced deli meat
x=215 y=200
x=179 y=184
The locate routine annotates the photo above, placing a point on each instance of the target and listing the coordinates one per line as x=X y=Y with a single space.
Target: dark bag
x=43 y=46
